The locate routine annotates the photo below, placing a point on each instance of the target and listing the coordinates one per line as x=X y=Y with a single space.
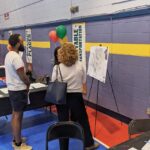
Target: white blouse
x=74 y=76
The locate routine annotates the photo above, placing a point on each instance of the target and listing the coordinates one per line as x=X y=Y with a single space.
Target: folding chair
x=66 y=129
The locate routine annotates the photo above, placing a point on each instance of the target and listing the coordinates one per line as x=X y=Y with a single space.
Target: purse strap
x=58 y=68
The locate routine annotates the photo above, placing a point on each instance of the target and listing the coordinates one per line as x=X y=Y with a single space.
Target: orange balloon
x=53 y=36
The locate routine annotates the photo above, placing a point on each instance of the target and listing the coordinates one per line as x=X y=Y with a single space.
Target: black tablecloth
x=36 y=98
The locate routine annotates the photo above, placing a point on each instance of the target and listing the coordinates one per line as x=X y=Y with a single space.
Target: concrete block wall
x=130 y=74
x=90 y=7
x=27 y=12
x=30 y=12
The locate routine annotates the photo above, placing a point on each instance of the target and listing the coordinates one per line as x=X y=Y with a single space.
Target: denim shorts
x=18 y=100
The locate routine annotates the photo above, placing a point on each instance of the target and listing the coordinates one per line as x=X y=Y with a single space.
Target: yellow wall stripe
x=5 y=42
x=35 y=44
x=142 y=50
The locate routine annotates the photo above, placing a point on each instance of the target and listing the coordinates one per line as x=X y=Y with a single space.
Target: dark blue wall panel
x=42 y=58
x=130 y=75
x=99 y=31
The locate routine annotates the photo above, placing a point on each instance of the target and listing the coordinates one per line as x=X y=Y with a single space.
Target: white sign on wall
x=6 y=16
x=10 y=32
x=28 y=45
x=97 y=67
x=78 y=39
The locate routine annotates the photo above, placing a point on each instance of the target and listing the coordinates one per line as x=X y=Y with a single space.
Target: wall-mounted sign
x=78 y=39
x=28 y=45
x=10 y=32
x=6 y=16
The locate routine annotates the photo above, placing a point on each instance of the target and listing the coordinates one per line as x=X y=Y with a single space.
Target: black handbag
x=56 y=91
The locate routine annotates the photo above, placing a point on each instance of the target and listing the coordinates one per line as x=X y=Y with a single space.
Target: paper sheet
x=98 y=61
x=132 y=148
x=38 y=85
x=146 y=146
x=1 y=96
x=30 y=87
x=4 y=90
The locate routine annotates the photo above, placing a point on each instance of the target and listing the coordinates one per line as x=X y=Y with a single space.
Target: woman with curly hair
x=74 y=74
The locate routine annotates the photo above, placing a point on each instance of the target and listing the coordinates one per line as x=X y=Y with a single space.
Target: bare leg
x=17 y=125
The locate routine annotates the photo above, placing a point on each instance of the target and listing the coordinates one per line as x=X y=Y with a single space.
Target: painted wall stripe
x=38 y=44
x=4 y=42
x=35 y=44
x=141 y=50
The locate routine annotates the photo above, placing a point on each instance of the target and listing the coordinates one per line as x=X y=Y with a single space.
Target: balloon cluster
x=59 y=34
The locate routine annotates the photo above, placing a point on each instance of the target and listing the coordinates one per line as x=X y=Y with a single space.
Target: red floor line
x=109 y=131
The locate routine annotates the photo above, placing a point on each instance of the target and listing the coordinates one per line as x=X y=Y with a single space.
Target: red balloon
x=53 y=36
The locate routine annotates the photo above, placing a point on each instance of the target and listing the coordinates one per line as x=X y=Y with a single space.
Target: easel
x=97 y=97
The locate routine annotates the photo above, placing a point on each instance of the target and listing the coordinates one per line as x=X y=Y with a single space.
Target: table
x=137 y=142
x=36 y=98
x=2 y=71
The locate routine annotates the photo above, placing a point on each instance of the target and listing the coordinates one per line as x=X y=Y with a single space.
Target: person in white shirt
x=18 y=86
x=74 y=74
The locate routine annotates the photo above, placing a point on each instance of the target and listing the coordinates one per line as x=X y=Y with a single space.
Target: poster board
x=98 y=60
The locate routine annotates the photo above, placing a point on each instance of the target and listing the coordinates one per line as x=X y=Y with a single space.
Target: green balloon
x=61 y=31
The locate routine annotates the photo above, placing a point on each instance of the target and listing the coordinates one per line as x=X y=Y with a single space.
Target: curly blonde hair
x=67 y=54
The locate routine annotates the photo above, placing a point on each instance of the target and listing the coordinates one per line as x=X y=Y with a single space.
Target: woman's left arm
x=84 y=86
x=54 y=74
